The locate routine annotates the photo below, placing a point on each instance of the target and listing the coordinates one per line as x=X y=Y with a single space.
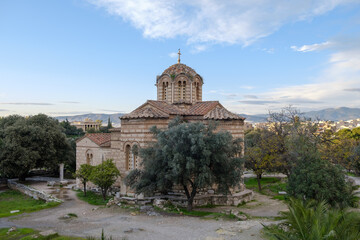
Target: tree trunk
x=104 y=193
x=190 y=204
x=85 y=189
x=190 y=197
x=258 y=177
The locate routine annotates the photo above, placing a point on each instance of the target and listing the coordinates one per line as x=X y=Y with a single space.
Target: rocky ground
x=125 y=224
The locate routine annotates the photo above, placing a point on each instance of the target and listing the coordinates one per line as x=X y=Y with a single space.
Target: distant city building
x=322 y=125
x=248 y=126
x=87 y=124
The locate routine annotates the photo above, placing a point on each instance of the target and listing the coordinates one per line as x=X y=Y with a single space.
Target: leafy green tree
x=190 y=155
x=84 y=174
x=71 y=131
x=355 y=159
x=262 y=150
x=109 y=125
x=314 y=221
x=20 y=149
x=287 y=124
x=355 y=133
x=92 y=130
x=314 y=178
x=104 y=176
x=33 y=142
x=341 y=149
x=54 y=148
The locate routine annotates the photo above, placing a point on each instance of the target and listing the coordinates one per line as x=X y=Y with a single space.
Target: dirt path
x=120 y=224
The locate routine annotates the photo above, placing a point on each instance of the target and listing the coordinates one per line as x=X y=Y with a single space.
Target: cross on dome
x=179 y=56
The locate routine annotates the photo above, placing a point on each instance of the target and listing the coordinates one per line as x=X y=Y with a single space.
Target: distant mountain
x=332 y=114
x=114 y=118
x=255 y=118
x=335 y=114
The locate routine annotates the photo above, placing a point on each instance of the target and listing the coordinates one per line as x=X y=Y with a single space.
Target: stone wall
x=32 y=192
x=199 y=200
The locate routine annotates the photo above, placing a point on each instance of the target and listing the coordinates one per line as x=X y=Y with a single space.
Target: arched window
x=127 y=157
x=183 y=89
x=179 y=90
x=135 y=153
x=197 y=87
x=89 y=157
x=165 y=86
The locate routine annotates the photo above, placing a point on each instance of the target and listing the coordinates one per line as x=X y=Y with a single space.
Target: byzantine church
x=179 y=94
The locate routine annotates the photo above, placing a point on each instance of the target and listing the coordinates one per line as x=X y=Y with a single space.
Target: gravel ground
x=121 y=224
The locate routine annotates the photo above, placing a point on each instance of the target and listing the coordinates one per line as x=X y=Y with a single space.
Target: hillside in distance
x=114 y=118
x=255 y=118
x=329 y=114
x=332 y=114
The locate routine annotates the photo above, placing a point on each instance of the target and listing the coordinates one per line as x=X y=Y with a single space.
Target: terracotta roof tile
x=221 y=113
x=167 y=107
x=162 y=109
x=101 y=139
x=147 y=112
x=201 y=108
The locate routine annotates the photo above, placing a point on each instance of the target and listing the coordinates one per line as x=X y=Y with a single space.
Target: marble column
x=61 y=172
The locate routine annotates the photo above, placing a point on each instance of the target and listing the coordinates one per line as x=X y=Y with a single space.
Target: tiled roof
x=221 y=113
x=101 y=139
x=146 y=112
x=167 y=107
x=161 y=109
x=201 y=108
x=180 y=68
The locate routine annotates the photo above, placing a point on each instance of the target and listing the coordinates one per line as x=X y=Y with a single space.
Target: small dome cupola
x=179 y=84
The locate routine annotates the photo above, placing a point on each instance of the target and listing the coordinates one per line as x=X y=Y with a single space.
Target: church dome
x=180 y=68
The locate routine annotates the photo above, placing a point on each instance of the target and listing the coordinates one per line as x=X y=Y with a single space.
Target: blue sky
x=102 y=56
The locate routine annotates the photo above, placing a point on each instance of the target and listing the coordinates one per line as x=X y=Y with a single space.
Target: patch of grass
x=208 y=206
x=103 y=237
x=14 y=200
x=92 y=198
x=17 y=234
x=351 y=174
x=252 y=183
x=277 y=187
x=72 y=215
x=280 y=197
x=31 y=234
x=271 y=186
x=194 y=213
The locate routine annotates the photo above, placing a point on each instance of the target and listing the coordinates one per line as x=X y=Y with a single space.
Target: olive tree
x=190 y=155
x=84 y=174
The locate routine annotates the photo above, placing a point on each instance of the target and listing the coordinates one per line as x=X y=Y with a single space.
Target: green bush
x=320 y=180
x=104 y=176
x=315 y=221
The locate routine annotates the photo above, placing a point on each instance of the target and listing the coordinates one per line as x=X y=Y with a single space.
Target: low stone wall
x=201 y=200
x=32 y=192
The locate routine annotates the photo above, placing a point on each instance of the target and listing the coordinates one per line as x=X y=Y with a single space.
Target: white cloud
x=313 y=47
x=214 y=21
x=337 y=86
x=269 y=50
